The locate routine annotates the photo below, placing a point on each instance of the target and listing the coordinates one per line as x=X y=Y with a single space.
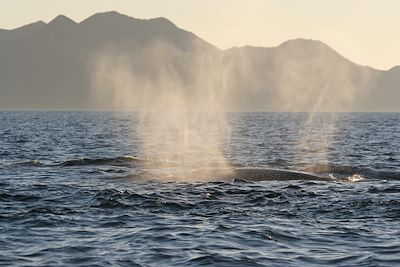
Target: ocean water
x=77 y=189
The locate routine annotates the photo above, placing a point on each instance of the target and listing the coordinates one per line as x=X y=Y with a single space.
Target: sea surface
x=78 y=189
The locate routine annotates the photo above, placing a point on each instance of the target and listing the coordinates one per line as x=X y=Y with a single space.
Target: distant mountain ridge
x=49 y=66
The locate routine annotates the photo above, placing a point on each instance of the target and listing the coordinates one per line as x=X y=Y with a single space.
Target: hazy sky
x=365 y=31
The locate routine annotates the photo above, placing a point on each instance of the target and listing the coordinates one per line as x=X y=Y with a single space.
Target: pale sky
x=365 y=31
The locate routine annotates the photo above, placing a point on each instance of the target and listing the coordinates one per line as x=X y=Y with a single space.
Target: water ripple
x=83 y=194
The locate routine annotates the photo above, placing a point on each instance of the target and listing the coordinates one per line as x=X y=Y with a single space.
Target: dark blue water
x=76 y=189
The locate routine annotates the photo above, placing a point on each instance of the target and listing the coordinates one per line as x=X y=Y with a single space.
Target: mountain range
x=56 y=65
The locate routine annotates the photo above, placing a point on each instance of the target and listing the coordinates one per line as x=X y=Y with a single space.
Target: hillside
x=62 y=64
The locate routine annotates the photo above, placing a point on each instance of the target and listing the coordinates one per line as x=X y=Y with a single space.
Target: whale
x=264 y=174
x=246 y=174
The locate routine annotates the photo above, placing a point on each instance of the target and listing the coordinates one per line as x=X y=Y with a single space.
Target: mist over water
x=182 y=97
x=318 y=80
x=182 y=124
